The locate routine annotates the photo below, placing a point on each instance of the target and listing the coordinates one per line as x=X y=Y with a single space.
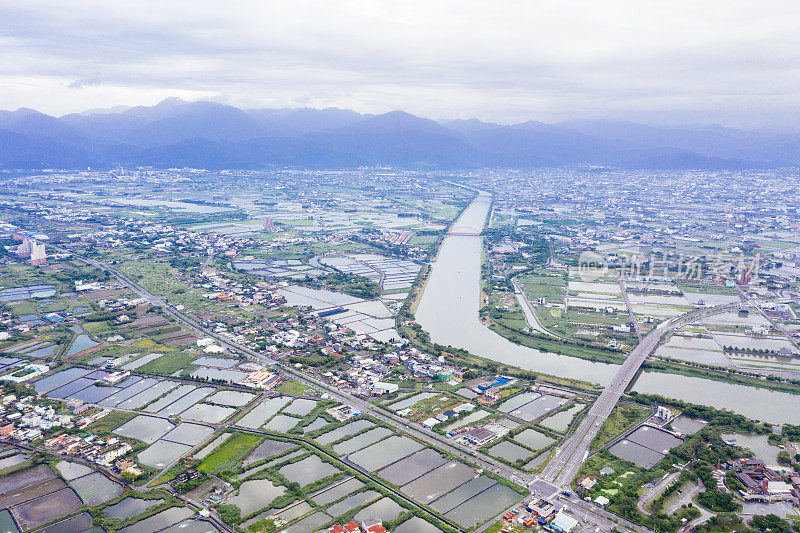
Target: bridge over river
x=572 y=452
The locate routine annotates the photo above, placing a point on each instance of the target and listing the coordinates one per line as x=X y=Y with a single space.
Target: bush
x=719 y=502
x=230 y=514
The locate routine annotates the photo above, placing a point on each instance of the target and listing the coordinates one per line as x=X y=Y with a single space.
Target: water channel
x=449 y=312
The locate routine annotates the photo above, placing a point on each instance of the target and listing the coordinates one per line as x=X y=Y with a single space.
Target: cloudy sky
x=735 y=62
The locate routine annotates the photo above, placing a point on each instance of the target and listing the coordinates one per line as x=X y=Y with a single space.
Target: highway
x=568 y=457
x=461 y=451
x=573 y=451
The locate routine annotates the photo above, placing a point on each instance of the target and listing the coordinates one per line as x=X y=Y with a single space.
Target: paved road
x=777 y=325
x=636 y=326
x=461 y=451
x=573 y=451
x=655 y=491
x=529 y=311
x=569 y=456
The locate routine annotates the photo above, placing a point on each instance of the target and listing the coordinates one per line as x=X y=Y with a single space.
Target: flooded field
x=536 y=462
x=128 y=392
x=34 y=513
x=533 y=439
x=386 y=509
x=318 y=423
x=351 y=428
x=385 y=452
x=300 y=407
x=636 y=453
x=538 y=407
x=145 y=428
x=231 y=398
x=333 y=493
x=365 y=439
x=263 y=412
x=82 y=342
x=484 y=505
x=187 y=401
x=162 y=453
x=517 y=401
x=281 y=423
x=148 y=395
x=168 y=399
x=255 y=495
x=218 y=362
x=439 y=481
x=79 y=523
x=467 y=420
x=96 y=488
x=191 y=525
x=561 y=420
x=159 y=521
x=187 y=433
x=204 y=412
x=266 y=449
x=416 y=525
x=308 y=523
x=12 y=460
x=456 y=497
x=48 y=383
x=687 y=425
x=509 y=451
x=351 y=502
x=7 y=524
x=308 y=470
x=130 y=507
x=222 y=374
x=412 y=467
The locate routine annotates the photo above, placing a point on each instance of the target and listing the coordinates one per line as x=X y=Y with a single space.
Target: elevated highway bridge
x=573 y=451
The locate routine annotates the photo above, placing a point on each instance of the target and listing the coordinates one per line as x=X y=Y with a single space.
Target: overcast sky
x=729 y=61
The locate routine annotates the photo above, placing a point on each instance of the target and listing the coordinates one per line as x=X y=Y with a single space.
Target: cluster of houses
x=107 y=452
x=367 y=375
x=25 y=420
x=541 y=512
x=369 y=525
x=763 y=483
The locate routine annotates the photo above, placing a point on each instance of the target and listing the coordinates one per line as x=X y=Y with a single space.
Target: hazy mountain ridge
x=213 y=135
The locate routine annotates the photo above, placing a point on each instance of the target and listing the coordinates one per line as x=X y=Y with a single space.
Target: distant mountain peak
x=207 y=134
x=171 y=101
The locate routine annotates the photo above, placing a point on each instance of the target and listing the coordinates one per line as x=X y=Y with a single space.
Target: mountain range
x=175 y=133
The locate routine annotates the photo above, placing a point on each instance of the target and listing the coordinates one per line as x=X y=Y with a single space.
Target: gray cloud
x=731 y=62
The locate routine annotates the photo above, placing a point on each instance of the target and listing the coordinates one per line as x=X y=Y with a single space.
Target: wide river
x=449 y=312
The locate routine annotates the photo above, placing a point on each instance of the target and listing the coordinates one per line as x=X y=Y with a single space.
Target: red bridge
x=464 y=230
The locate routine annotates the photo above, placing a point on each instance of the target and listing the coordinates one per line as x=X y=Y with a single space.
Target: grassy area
x=623 y=418
x=230 y=454
x=168 y=364
x=109 y=422
x=292 y=388
x=546 y=345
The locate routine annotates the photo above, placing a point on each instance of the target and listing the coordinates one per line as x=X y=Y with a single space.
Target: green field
x=168 y=364
x=623 y=418
x=229 y=456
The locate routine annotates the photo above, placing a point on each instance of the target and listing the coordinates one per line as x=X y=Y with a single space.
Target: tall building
x=269 y=224
x=38 y=255
x=33 y=250
x=25 y=249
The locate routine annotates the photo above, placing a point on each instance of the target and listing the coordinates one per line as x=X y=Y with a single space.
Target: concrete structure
x=563 y=523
